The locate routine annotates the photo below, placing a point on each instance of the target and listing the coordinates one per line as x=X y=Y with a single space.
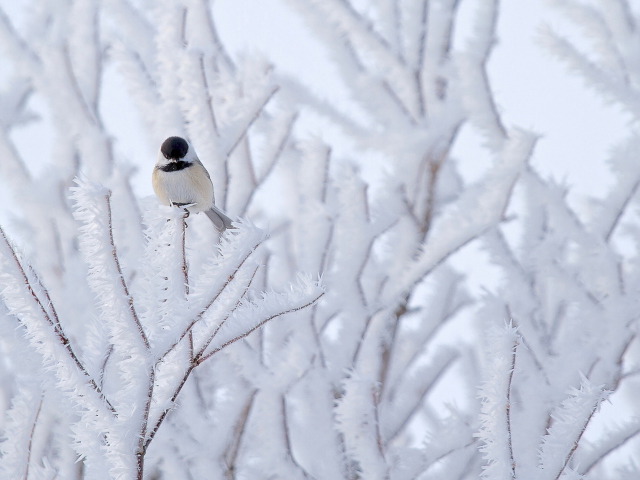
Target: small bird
x=180 y=179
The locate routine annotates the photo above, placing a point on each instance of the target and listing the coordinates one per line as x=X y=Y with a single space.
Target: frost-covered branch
x=495 y=417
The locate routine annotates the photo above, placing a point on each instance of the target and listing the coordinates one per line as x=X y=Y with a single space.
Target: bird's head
x=176 y=149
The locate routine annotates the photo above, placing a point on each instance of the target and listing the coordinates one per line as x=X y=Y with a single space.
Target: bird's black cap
x=174 y=148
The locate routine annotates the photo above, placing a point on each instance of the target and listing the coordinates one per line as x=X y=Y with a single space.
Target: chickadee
x=180 y=179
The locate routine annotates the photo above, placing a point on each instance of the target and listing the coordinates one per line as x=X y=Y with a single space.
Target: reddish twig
x=57 y=328
x=123 y=283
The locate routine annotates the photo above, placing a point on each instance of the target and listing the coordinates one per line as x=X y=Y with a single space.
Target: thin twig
x=443 y=456
x=31 y=435
x=224 y=320
x=367 y=27
x=231 y=454
x=185 y=267
x=201 y=314
x=422 y=45
x=276 y=156
x=416 y=407
x=103 y=367
x=209 y=100
x=142 y=447
x=248 y=332
x=287 y=438
x=576 y=442
x=75 y=86
x=509 y=437
x=252 y=120
x=152 y=433
x=394 y=96
x=123 y=283
x=59 y=333
x=590 y=466
x=621 y=211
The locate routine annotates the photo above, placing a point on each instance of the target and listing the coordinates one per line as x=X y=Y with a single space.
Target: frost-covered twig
x=258 y=325
x=211 y=301
x=589 y=457
x=31 y=435
x=570 y=422
x=495 y=417
x=123 y=283
x=185 y=267
x=233 y=448
x=15 y=300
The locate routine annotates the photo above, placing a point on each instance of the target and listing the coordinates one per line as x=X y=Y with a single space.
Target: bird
x=180 y=179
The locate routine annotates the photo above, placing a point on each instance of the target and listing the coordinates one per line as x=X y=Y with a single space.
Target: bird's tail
x=219 y=219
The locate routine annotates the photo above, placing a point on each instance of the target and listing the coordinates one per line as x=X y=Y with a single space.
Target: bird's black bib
x=175 y=166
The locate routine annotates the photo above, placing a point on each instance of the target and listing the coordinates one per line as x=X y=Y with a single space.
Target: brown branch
x=231 y=454
x=621 y=211
x=142 y=447
x=422 y=44
x=316 y=336
x=123 y=283
x=201 y=314
x=209 y=100
x=57 y=328
x=394 y=96
x=185 y=267
x=75 y=87
x=585 y=471
x=370 y=30
x=252 y=120
x=444 y=316
x=509 y=437
x=287 y=438
x=198 y=361
x=325 y=180
x=152 y=433
x=576 y=442
x=445 y=455
x=103 y=368
x=375 y=401
x=215 y=39
x=31 y=435
x=423 y=395
x=276 y=156
x=224 y=320
x=252 y=329
x=528 y=348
